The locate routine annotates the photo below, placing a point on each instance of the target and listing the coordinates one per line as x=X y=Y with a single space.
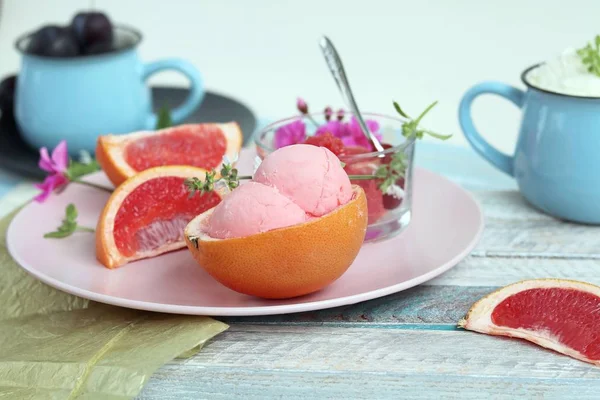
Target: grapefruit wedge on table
x=198 y=145
x=558 y=314
x=147 y=214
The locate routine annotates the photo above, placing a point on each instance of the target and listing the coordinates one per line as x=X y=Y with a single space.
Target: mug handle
x=194 y=97
x=487 y=151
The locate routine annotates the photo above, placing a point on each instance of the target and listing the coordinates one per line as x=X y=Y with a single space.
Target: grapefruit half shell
x=285 y=262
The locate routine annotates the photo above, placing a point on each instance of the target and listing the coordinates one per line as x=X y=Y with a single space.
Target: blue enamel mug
x=80 y=98
x=557 y=157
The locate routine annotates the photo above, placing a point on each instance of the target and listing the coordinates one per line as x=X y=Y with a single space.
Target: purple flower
x=289 y=134
x=56 y=165
x=336 y=128
x=301 y=105
x=328 y=113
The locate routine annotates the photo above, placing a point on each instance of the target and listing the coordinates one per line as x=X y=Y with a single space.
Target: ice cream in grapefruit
x=292 y=230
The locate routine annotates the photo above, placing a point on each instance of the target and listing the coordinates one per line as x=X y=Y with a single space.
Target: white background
x=265 y=52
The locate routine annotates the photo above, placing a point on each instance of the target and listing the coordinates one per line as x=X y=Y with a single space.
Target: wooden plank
x=501 y=271
x=252 y=362
x=515 y=229
x=422 y=307
x=440 y=303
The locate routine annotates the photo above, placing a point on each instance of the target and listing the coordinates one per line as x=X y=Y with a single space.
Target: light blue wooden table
x=407 y=345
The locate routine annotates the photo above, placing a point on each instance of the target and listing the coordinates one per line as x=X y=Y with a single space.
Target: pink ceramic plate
x=445 y=227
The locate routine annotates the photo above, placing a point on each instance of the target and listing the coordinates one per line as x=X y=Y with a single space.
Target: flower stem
x=84 y=229
x=352 y=177
x=361 y=177
x=311 y=119
x=90 y=184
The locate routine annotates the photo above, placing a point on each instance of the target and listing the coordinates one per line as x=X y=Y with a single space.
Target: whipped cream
x=565 y=74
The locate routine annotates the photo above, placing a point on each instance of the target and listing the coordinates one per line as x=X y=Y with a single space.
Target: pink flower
x=56 y=165
x=356 y=135
x=336 y=128
x=47 y=187
x=301 y=105
x=292 y=133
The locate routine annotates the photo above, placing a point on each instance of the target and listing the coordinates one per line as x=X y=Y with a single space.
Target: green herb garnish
x=78 y=169
x=410 y=128
x=69 y=225
x=164 y=118
x=228 y=177
x=391 y=172
x=590 y=56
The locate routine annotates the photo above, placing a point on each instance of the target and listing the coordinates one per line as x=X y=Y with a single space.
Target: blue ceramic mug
x=80 y=98
x=557 y=157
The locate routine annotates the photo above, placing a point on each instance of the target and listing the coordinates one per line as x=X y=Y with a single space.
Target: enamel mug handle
x=487 y=151
x=195 y=96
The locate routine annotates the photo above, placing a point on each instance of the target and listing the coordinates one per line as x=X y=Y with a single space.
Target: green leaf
x=420 y=117
x=397 y=165
x=400 y=111
x=438 y=135
x=71 y=213
x=69 y=225
x=164 y=118
x=77 y=169
x=381 y=172
x=58 y=234
x=590 y=56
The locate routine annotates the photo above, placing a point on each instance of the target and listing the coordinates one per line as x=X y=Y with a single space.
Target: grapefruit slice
x=285 y=262
x=560 y=315
x=197 y=145
x=146 y=215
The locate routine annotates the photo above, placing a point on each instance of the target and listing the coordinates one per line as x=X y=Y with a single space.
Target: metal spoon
x=337 y=70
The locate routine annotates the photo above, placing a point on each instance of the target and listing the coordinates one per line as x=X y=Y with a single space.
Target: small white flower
x=222 y=188
x=395 y=191
x=227 y=161
x=84 y=157
x=257 y=162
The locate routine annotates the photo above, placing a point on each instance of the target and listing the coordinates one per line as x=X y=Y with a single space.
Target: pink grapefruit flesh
x=195 y=145
x=561 y=315
x=156 y=213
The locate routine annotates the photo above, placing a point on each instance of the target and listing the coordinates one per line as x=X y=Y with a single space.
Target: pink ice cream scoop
x=250 y=209
x=310 y=176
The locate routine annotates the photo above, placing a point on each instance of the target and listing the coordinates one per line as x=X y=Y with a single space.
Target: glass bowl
x=389 y=211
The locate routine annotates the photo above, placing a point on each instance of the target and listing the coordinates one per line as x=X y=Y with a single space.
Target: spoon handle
x=336 y=67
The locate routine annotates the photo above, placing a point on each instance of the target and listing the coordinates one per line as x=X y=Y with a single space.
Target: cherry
x=7 y=95
x=93 y=31
x=53 y=41
x=64 y=45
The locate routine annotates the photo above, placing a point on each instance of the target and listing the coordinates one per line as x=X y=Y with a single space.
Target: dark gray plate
x=16 y=156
